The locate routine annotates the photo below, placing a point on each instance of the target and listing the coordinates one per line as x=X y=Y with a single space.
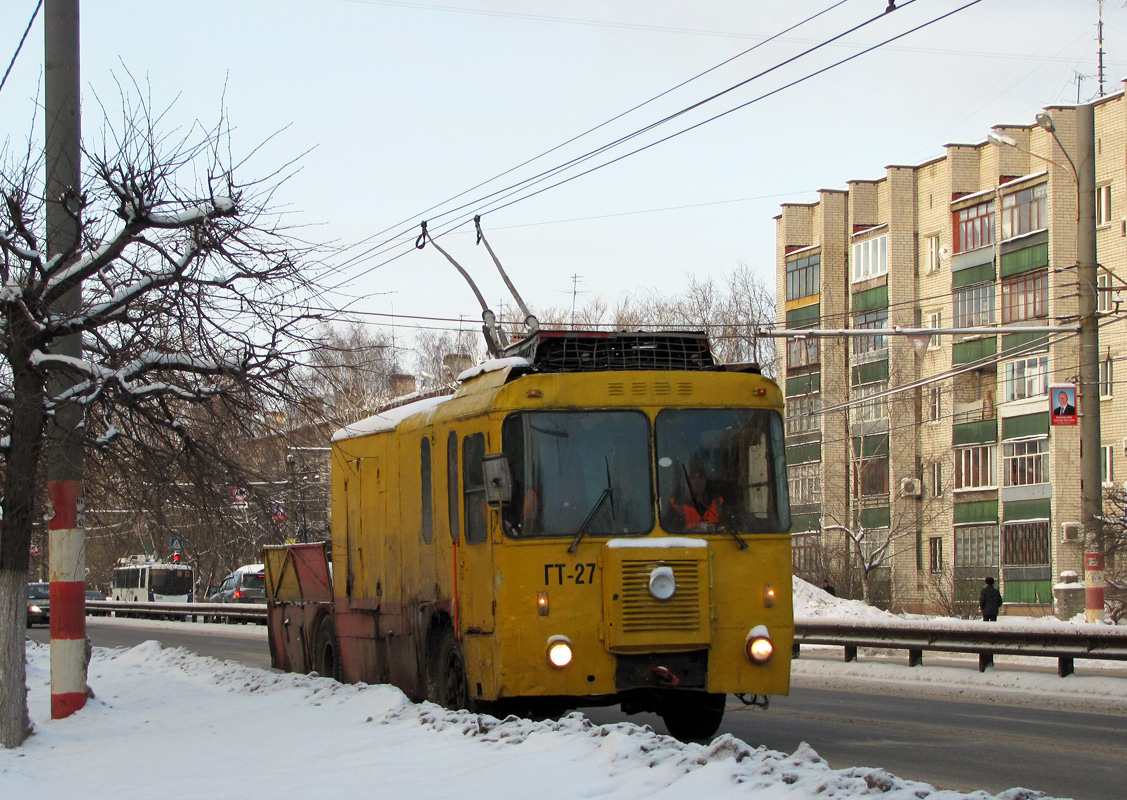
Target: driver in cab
x=699 y=506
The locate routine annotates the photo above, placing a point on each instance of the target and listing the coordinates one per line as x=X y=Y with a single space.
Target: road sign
x=176 y=543
x=241 y=494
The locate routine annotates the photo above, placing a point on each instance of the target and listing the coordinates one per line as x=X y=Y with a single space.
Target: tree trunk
x=20 y=489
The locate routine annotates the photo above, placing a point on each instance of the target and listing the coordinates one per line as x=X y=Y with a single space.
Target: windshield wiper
x=607 y=494
x=699 y=504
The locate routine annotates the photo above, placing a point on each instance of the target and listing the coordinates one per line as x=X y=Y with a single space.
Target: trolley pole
x=66 y=535
x=1091 y=452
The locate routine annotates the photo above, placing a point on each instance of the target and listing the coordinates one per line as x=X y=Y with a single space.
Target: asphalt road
x=961 y=744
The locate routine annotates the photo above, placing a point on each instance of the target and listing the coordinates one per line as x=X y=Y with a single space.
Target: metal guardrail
x=986 y=639
x=198 y=612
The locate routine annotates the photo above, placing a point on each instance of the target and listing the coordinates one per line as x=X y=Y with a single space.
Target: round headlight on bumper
x=559 y=652
x=758 y=646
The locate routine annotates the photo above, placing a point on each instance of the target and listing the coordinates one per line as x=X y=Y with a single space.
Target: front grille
x=641 y=612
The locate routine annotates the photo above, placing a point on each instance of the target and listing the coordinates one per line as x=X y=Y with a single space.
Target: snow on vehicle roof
x=251 y=568
x=493 y=365
x=387 y=420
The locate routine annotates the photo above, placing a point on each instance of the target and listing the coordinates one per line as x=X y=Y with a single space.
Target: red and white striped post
x=68 y=597
x=63 y=119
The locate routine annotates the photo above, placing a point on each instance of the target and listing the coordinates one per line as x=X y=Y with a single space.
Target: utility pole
x=1091 y=452
x=66 y=523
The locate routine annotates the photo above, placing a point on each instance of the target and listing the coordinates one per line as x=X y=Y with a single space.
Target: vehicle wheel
x=326 y=655
x=451 y=688
x=693 y=716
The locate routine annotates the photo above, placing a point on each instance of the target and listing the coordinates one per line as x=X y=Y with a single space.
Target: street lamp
x=1083 y=170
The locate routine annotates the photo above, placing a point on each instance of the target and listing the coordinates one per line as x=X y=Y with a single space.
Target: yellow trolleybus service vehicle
x=594 y=518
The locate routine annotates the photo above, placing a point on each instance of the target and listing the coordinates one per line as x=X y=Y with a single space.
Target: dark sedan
x=38 y=604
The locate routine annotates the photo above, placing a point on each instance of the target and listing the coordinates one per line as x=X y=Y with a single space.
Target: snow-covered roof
x=493 y=365
x=387 y=420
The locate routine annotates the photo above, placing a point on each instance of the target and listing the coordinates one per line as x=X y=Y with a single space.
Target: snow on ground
x=170 y=724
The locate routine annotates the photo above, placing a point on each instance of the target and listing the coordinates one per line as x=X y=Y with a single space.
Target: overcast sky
x=407 y=104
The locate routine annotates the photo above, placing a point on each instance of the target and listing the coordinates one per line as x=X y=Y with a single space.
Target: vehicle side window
x=425 y=483
x=473 y=487
x=452 y=483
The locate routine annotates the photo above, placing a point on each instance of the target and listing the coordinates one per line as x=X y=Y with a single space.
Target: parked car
x=38 y=604
x=247 y=584
x=94 y=594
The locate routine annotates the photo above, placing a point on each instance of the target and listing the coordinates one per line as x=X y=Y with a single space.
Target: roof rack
x=593 y=351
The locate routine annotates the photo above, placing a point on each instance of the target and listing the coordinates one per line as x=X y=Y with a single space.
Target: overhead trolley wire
x=597 y=127
x=453 y=224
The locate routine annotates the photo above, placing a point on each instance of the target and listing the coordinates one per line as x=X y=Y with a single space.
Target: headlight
x=34 y=609
x=559 y=651
x=662 y=583
x=758 y=646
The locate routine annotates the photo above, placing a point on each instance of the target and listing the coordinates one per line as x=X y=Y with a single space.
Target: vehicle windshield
x=171 y=581
x=39 y=591
x=721 y=470
x=578 y=471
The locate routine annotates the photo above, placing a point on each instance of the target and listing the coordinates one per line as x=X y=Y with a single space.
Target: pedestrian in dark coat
x=828 y=588
x=990 y=601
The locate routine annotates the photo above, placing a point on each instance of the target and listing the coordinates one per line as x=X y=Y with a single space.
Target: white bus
x=137 y=579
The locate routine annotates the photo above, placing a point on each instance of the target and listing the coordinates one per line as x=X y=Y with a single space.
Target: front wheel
x=693 y=716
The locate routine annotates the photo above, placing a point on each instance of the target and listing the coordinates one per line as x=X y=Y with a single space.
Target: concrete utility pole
x=1091 y=452
x=66 y=535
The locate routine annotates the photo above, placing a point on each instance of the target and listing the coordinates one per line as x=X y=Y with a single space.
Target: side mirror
x=498 y=480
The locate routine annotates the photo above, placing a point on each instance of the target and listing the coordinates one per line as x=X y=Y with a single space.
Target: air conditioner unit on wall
x=1071 y=531
x=910 y=487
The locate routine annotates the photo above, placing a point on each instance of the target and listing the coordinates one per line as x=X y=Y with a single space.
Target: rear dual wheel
x=326 y=650
x=449 y=686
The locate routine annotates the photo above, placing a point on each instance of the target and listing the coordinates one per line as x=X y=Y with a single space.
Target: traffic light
x=176 y=558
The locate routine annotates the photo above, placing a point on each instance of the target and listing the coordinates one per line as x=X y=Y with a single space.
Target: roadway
x=963 y=744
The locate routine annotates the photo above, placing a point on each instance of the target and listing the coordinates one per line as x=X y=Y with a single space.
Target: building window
x=805 y=483
x=806 y=552
x=803 y=413
x=870 y=258
x=935 y=554
x=803 y=352
x=1103 y=204
x=1107 y=377
x=1105 y=291
x=870 y=320
x=803 y=276
x=874 y=547
x=1026 y=462
x=974 y=227
x=933 y=254
x=1025 y=297
x=869 y=402
x=1107 y=464
x=976 y=546
x=974 y=305
x=935 y=322
x=935 y=478
x=1025 y=544
x=1028 y=377
x=934 y=409
x=870 y=476
x=974 y=467
x=1024 y=211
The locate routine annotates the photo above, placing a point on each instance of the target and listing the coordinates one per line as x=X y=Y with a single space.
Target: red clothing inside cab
x=711 y=515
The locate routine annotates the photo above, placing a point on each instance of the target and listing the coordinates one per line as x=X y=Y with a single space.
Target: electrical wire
x=19 y=47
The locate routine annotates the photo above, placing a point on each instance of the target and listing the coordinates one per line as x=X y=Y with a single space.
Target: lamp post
x=1083 y=169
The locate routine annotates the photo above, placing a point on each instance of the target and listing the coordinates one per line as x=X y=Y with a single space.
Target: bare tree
x=187 y=314
x=1115 y=554
x=349 y=372
x=441 y=355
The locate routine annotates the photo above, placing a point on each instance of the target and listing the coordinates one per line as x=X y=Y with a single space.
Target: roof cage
x=592 y=351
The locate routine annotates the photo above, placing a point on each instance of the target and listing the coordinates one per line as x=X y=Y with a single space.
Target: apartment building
x=931 y=459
